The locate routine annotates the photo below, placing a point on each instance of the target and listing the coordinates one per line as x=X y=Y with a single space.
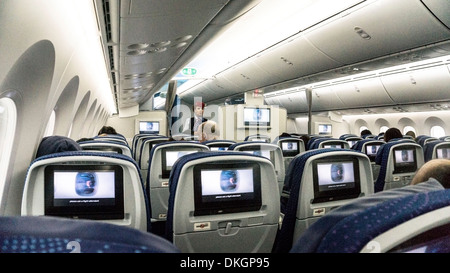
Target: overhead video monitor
x=290 y=148
x=405 y=160
x=226 y=188
x=371 y=150
x=443 y=152
x=148 y=127
x=84 y=191
x=172 y=154
x=335 y=178
x=256 y=116
x=325 y=129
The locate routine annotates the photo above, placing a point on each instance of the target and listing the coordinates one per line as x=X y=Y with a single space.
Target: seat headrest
x=30 y=234
x=395 y=206
x=57 y=144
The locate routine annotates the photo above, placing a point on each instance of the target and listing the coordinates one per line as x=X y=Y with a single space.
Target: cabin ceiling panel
x=294 y=59
x=249 y=76
x=153 y=37
x=294 y=102
x=415 y=86
x=377 y=29
x=363 y=93
x=325 y=98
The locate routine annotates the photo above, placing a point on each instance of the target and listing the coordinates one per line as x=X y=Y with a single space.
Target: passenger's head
x=208 y=130
x=83 y=139
x=107 y=130
x=57 y=144
x=438 y=169
x=284 y=134
x=305 y=139
x=392 y=133
x=366 y=132
x=411 y=133
x=198 y=108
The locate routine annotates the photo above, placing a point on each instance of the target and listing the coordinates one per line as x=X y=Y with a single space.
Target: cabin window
x=437 y=131
x=8 y=117
x=409 y=129
x=383 y=129
x=50 y=124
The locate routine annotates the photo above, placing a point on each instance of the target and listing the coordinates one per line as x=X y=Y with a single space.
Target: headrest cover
x=57 y=144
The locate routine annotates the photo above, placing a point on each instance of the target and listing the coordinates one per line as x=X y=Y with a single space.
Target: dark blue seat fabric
x=44 y=234
x=315 y=143
x=428 y=149
x=56 y=144
x=359 y=145
x=382 y=160
x=124 y=148
x=174 y=178
x=352 y=226
x=344 y=136
x=289 y=207
x=110 y=155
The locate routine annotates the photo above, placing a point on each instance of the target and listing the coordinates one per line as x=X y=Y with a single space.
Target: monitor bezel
x=110 y=212
x=226 y=205
x=289 y=153
x=148 y=132
x=165 y=173
x=442 y=147
x=338 y=194
x=248 y=123
x=404 y=169
x=371 y=157
x=325 y=133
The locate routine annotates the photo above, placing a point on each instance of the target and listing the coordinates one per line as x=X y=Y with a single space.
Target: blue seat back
x=106 y=146
x=157 y=184
x=269 y=150
x=45 y=234
x=238 y=230
x=351 y=228
x=136 y=203
x=388 y=177
x=436 y=149
x=299 y=210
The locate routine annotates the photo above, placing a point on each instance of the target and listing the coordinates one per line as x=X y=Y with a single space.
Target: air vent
x=107 y=19
x=111 y=57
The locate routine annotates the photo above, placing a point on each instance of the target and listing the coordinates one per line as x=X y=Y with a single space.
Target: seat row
x=217 y=200
x=209 y=195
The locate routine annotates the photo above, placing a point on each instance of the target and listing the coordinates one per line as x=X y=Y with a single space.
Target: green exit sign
x=188 y=71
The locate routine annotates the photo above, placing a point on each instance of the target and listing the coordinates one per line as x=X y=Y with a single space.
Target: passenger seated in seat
x=365 y=132
x=57 y=144
x=392 y=133
x=107 y=130
x=438 y=169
